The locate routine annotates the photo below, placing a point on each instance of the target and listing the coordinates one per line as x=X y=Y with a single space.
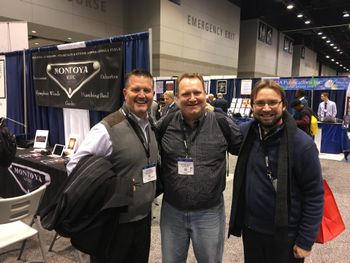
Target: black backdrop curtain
x=136 y=55
x=229 y=91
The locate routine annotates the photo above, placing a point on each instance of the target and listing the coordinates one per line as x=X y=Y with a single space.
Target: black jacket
x=87 y=207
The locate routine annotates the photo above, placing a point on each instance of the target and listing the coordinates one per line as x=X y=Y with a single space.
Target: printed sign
x=84 y=78
x=27 y=178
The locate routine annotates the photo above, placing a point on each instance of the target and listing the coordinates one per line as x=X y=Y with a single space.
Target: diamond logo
x=72 y=76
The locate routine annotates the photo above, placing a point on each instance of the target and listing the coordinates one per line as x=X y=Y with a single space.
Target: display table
x=30 y=170
x=331 y=137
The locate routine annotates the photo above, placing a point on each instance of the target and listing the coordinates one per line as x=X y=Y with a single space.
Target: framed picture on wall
x=286 y=44
x=269 y=35
x=221 y=87
x=262 y=32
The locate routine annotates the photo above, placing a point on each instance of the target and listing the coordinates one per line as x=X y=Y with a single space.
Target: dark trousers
x=259 y=248
x=131 y=245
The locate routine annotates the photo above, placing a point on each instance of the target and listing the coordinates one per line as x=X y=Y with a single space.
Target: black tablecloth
x=30 y=170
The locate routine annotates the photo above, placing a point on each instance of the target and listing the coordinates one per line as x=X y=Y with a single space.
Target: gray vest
x=129 y=157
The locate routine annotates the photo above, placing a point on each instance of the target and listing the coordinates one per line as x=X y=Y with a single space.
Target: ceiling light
x=69 y=38
x=335 y=47
x=308 y=21
x=338 y=50
x=328 y=41
x=327 y=56
x=337 y=62
x=320 y=33
x=34 y=31
x=341 y=52
x=300 y=15
x=324 y=37
x=346 y=14
x=331 y=44
x=332 y=59
x=36 y=43
x=341 y=65
x=290 y=6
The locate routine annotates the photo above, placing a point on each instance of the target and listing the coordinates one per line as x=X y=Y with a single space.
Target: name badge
x=149 y=173
x=185 y=166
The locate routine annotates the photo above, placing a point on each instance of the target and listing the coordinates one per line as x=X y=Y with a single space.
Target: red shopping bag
x=332 y=223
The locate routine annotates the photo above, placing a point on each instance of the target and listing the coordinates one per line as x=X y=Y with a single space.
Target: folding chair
x=12 y=210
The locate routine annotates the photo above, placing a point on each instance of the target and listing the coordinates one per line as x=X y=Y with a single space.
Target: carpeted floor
x=337 y=174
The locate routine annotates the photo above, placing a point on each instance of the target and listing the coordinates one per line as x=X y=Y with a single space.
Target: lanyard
x=267 y=161
x=198 y=129
x=139 y=134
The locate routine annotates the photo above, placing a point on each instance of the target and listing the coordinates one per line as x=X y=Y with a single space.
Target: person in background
x=220 y=102
x=153 y=110
x=300 y=95
x=170 y=104
x=277 y=201
x=193 y=158
x=210 y=98
x=327 y=108
x=126 y=139
x=304 y=117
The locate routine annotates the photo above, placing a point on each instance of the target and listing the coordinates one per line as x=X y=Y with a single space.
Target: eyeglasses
x=270 y=103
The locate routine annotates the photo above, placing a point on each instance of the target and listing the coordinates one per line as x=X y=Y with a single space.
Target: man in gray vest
x=126 y=139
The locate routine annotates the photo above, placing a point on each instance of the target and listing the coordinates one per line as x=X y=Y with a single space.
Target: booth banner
x=317 y=83
x=84 y=78
x=27 y=178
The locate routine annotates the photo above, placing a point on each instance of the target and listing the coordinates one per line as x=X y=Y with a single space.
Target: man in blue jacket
x=277 y=198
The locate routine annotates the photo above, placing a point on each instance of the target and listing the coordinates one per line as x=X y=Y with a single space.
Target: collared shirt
x=98 y=142
x=206 y=147
x=327 y=109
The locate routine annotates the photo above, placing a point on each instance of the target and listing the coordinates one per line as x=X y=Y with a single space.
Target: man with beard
x=193 y=151
x=126 y=139
x=277 y=200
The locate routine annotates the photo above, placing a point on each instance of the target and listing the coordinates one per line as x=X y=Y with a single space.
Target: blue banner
x=316 y=83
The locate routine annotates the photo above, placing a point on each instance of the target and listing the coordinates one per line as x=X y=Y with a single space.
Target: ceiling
x=326 y=16
x=46 y=36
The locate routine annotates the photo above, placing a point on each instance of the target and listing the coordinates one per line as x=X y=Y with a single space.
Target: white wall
x=266 y=56
x=99 y=20
x=187 y=46
x=247 y=48
x=259 y=59
x=285 y=59
x=309 y=65
x=327 y=71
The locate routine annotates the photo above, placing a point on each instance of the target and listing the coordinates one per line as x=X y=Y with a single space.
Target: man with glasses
x=277 y=198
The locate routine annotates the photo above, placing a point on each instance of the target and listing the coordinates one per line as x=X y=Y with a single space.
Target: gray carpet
x=338 y=251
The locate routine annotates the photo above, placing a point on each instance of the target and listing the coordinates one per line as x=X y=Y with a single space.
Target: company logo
x=72 y=76
x=27 y=178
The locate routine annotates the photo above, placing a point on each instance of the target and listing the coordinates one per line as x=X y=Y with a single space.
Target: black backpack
x=8 y=145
